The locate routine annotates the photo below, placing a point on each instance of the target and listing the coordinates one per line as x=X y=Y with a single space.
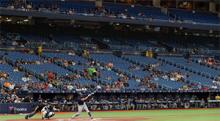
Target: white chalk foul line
x=80 y=119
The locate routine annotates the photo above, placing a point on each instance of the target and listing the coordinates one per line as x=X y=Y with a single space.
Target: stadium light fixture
x=25 y=20
x=175 y=30
x=8 y=20
x=111 y=23
x=147 y=27
x=197 y=34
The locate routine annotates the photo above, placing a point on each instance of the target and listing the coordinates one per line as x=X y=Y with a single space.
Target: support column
x=98 y=3
x=212 y=7
x=193 y=5
x=177 y=4
x=156 y=3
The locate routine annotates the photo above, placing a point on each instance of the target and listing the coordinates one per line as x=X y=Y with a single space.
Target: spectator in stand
x=39 y=50
x=29 y=6
x=3 y=76
x=187 y=56
x=26 y=78
x=50 y=76
x=109 y=65
x=210 y=61
x=92 y=72
x=8 y=86
x=217 y=97
x=85 y=53
x=66 y=63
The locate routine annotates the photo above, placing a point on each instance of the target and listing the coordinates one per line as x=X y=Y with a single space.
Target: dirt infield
x=86 y=119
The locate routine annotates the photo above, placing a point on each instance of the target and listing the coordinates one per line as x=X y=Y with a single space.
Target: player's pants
x=80 y=109
x=46 y=114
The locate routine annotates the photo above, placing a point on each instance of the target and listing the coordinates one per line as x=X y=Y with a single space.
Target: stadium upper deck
x=111 y=12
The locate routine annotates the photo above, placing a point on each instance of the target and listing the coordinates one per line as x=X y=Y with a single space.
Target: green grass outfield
x=150 y=115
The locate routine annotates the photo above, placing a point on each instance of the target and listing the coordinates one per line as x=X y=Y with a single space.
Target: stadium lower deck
x=127 y=72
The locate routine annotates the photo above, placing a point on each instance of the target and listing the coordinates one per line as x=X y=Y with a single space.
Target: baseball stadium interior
x=135 y=54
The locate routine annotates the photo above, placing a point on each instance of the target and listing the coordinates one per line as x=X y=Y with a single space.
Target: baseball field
x=148 y=115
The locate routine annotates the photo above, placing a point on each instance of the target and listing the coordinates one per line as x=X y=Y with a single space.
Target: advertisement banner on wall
x=15 y=108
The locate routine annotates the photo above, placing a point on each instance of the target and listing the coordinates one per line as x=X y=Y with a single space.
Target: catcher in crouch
x=82 y=103
x=48 y=111
x=38 y=108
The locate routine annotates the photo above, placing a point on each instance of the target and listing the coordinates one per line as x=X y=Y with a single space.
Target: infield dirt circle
x=85 y=119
